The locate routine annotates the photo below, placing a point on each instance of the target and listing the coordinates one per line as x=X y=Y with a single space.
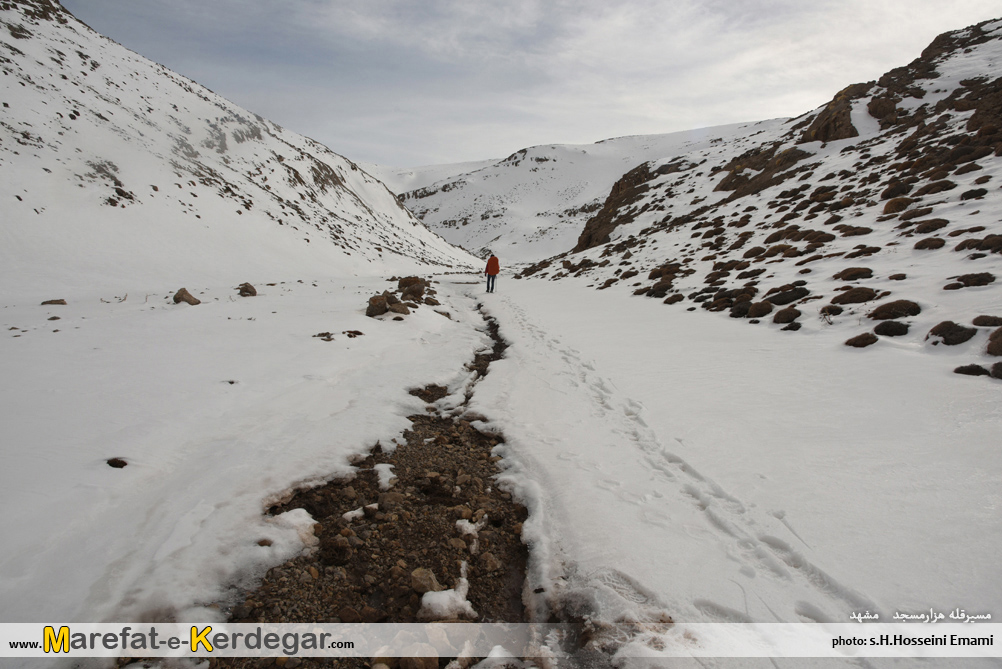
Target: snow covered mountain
x=883 y=204
x=533 y=204
x=160 y=180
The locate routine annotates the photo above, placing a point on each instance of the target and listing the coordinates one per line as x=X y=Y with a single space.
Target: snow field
x=150 y=383
x=687 y=465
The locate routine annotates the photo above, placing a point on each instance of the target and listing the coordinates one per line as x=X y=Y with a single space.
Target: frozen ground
x=675 y=464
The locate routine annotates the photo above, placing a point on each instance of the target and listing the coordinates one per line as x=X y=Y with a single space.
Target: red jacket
x=493 y=266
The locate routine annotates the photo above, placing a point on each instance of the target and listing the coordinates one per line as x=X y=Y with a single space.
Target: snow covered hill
x=533 y=204
x=117 y=172
x=879 y=211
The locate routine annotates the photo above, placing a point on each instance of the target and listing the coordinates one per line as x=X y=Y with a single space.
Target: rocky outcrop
x=835 y=122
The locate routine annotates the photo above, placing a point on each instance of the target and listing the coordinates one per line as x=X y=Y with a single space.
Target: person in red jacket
x=493 y=268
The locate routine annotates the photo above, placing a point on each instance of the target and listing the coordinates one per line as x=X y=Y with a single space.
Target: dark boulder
x=951 y=333
x=895 y=309
x=891 y=329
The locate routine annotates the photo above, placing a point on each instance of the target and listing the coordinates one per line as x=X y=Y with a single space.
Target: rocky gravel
x=384 y=542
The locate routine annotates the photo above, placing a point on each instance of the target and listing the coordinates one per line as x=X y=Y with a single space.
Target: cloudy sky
x=413 y=82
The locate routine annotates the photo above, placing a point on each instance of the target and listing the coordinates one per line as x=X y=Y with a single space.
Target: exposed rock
x=895 y=309
x=489 y=563
x=930 y=225
x=972 y=370
x=929 y=244
x=855 y=296
x=830 y=310
x=995 y=343
x=787 y=296
x=891 y=329
x=862 y=341
x=247 y=290
x=787 y=315
x=835 y=122
x=854 y=274
x=399 y=308
x=896 y=205
x=377 y=306
x=760 y=309
x=973 y=194
x=951 y=333
x=184 y=296
x=424 y=580
x=979 y=279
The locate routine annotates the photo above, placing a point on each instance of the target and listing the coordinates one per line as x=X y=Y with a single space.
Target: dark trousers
x=490 y=282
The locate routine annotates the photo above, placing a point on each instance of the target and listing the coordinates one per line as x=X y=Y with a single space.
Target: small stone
x=184 y=296
x=489 y=563
x=314 y=572
x=862 y=341
x=349 y=615
x=424 y=580
x=390 y=500
x=117 y=463
x=370 y=614
x=247 y=290
x=997 y=370
x=972 y=370
x=63 y=302
x=457 y=543
x=293 y=662
x=264 y=542
x=462 y=479
x=349 y=492
x=377 y=306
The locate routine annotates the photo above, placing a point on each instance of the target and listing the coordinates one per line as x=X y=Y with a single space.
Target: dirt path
x=368 y=565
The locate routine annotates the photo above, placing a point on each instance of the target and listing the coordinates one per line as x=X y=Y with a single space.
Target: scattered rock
x=929 y=244
x=979 y=279
x=854 y=274
x=117 y=463
x=326 y=336
x=895 y=309
x=997 y=370
x=760 y=309
x=831 y=310
x=897 y=204
x=973 y=194
x=787 y=296
x=898 y=277
x=972 y=370
x=891 y=329
x=489 y=563
x=377 y=306
x=862 y=341
x=787 y=315
x=247 y=290
x=951 y=333
x=792 y=327
x=995 y=343
x=63 y=302
x=988 y=321
x=399 y=308
x=424 y=580
x=184 y=296
x=855 y=296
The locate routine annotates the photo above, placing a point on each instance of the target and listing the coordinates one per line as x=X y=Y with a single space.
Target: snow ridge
x=160 y=178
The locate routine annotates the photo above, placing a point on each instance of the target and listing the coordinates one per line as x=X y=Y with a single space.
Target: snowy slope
x=783 y=228
x=534 y=203
x=117 y=171
x=403 y=179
